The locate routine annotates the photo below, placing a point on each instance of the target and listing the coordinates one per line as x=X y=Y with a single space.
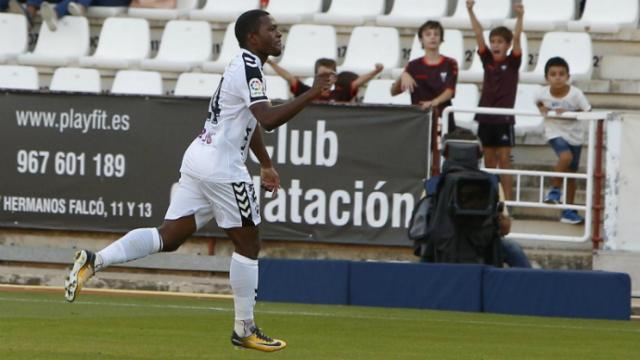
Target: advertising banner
x=350 y=174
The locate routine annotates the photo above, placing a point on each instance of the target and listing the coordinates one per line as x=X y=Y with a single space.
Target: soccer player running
x=215 y=181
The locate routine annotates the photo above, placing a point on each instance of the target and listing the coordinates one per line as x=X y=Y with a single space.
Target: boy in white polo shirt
x=565 y=136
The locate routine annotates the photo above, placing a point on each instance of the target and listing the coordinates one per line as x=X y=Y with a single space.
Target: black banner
x=350 y=174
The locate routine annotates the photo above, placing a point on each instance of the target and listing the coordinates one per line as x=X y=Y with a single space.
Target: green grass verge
x=43 y=326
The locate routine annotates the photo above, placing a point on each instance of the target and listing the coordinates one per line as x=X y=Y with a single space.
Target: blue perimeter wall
x=455 y=287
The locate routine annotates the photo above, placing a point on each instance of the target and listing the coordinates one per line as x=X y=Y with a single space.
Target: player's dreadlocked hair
x=248 y=23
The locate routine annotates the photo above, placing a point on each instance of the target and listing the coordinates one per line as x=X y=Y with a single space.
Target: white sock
x=135 y=244
x=243 y=276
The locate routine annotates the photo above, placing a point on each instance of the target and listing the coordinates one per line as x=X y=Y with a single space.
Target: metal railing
x=588 y=177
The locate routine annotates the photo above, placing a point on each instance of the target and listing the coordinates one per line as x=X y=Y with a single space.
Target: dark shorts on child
x=561 y=145
x=496 y=135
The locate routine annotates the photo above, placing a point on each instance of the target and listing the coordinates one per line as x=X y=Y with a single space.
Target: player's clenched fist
x=324 y=81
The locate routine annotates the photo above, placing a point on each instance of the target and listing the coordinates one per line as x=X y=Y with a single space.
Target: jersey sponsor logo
x=256 y=88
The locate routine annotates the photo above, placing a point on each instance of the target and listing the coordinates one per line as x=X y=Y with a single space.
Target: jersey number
x=214 y=109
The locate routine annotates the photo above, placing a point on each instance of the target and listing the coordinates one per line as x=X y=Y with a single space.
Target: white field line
x=331 y=315
x=53 y=289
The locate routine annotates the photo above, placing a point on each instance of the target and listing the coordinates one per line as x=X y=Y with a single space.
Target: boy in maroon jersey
x=430 y=79
x=346 y=83
x=499 y=89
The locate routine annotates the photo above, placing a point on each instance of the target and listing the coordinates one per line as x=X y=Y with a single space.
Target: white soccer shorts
x=232 y=204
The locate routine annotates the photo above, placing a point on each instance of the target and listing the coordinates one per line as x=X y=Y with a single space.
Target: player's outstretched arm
x=475 y=25
x=270 y=117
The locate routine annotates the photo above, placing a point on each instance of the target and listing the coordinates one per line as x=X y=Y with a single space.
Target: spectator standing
x=430 y=79
x=565 y=136
x=499 y=88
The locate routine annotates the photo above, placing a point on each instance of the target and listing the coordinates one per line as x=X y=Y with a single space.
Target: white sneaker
x=49 y=16
x=76 y=9
x=15 y=7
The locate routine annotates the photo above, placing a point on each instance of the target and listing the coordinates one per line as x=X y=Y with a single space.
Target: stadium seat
x=61 y=47
x=575 y=48
x=76 y=79
x=197 y=84
x=525 y=101
x=413 y=13
x=452 y=46
x=468 y=96
x=379 y=92
x=277 y=88
x=223 y=10
x=230 y=48
x=19 y=77
x=185 y=44
x=106 y=11
x=475 y=73
x=620 y=67
x=298 y=57
x=488 y=12
x=123 y=43
x=364 y=49
x=603 y=16
x=293 y=11
x=538 y=17
x=16 y=44
x=350 y=12
x=137 y=83
x=182 y=9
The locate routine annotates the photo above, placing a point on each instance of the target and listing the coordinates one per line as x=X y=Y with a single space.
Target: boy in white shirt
x=564 y=135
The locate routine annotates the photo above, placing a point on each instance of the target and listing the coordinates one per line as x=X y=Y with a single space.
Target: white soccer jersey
x=219 y=153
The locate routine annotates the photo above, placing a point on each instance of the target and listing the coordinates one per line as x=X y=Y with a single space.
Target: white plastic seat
x=545 y=15
x=413 y=13
x=452 y=46
x=197 y=84
x=488 y=12
x=124 y=42
x=298 y=57
x=350 y=12
x=525 y=101
x=76 y=79
x=185 y=44
x=364 y=49
x=223 y=10
x=468 y=96
x=96 y=11
x=183 y=7
x=475 y=73
x=620 y=67
x=277 y=88
x=61 y=47
x=605 y=16
x=16 y=44
x=230 y=48
x=19 y=77
x=575 y=48
x=137 y=83
x=379 y=92
x=293 y=11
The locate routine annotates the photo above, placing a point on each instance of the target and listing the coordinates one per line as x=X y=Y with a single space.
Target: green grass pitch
x=43 y=326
